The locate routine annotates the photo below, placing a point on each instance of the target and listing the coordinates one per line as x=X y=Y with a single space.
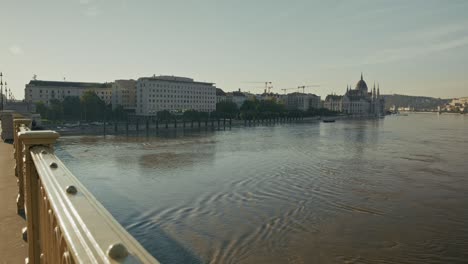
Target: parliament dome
x=361 y=85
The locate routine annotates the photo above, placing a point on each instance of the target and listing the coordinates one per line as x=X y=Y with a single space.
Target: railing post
x=17 y=123
x=30 y=139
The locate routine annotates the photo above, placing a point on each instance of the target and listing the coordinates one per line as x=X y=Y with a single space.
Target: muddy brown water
x=392 y=190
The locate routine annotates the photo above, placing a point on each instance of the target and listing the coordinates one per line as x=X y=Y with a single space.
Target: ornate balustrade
x=65 y=223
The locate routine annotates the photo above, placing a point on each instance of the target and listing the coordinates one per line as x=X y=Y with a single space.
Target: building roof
x=220 y=92
x=296 y=93
x=175 y=79
x=304 y=94
x=70 y=84
x=333 y=97
x=353 y=93
x=237 y=93
x=361 y=85
x=270 y=94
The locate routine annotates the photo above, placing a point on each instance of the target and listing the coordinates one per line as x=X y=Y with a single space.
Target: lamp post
x=1 y=90
x=6 y=93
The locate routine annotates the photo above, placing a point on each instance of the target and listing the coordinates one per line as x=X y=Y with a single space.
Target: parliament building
x=358 y=101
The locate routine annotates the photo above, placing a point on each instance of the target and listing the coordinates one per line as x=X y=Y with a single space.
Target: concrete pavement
x=12 y=247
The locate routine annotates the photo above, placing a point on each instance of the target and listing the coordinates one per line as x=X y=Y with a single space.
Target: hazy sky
x=408 y=46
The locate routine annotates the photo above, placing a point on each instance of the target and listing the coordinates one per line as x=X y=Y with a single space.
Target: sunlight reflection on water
x=358 y=191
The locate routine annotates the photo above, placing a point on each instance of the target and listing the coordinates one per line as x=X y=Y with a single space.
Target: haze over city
x=245 y=132
x=409 y=47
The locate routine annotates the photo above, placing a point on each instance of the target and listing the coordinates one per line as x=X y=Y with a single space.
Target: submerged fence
x=65 y=223
x=148 y=126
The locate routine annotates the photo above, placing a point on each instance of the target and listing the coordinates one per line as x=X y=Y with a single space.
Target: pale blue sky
x=408 y=46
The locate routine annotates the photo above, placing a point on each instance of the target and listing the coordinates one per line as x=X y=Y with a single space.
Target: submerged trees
x=226 y=109
x=71 y=108
x=89 y=107
x=93 y=107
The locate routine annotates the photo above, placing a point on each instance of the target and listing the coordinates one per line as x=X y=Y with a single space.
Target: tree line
x=90 y=107
x=265 y=109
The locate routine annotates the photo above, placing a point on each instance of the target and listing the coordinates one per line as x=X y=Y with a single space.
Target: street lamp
x=1 y=90
x=6 y=92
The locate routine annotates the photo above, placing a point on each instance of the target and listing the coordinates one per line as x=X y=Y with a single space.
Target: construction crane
x=12 y=97
x=307 y=86
x=268 y=85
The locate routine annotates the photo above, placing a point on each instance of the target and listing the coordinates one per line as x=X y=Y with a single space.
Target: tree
x=249 y=105
x=72 y=108
x=270 y=106
x=55 y=111
x=93 y=107
x=118 y=113
x=191 y=115
x=164 y=115
x=226 y=109
x=108 y=113
x=296 y=113
x=42 y=109
x=261 y=109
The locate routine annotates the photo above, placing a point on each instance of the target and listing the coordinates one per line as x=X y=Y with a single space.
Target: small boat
x=329 y=120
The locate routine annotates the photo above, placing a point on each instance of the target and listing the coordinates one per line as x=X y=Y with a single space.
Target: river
x=392 y=190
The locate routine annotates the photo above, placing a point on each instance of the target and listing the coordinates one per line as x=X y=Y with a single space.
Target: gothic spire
x=373 y=92
x=361 y=76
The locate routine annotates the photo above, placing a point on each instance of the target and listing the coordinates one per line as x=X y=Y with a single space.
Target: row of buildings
x=145 y=96
x=149 y=95
x=456 y=105
x=292 y=101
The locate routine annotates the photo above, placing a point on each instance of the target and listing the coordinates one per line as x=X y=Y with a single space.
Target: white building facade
x=175 y=94
x=124 y=94
x=301 y=101
x=333 y=102
x=237 y=97
x=220 y=95
x=44 y=91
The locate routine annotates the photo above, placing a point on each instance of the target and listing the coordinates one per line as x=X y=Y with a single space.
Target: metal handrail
x=65 y=223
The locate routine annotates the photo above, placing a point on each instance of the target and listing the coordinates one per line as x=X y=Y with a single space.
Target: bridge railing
x=65 y=223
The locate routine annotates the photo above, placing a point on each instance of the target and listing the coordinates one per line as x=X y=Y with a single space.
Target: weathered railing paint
x=65 y=223
x=17 y=125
